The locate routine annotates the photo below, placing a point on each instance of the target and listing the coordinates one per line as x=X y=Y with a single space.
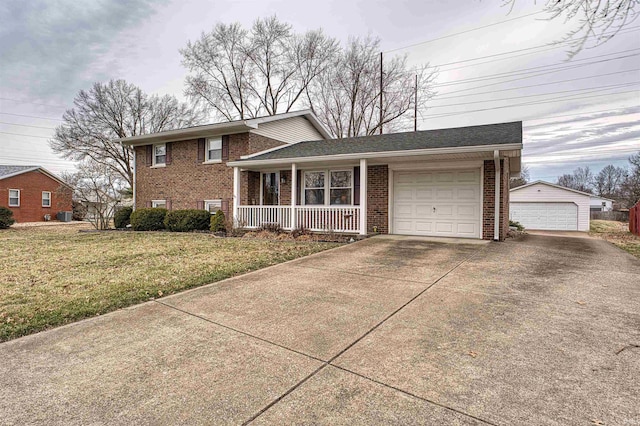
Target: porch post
x=294 y=195
x=363 y=197
x=236 y=195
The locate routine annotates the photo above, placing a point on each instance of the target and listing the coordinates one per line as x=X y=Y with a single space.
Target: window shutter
x=224 y=206
x=167 y=160
x=149 y=155
x=148 y=204
x=201 y=148
x=168 y=206
x=225 y=148
x=356 y=186
x=200 y=205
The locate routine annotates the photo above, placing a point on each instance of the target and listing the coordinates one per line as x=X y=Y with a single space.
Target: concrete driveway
x=395 y=330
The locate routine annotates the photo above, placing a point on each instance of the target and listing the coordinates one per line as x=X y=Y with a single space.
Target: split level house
x=286 y=169
x=33 y=193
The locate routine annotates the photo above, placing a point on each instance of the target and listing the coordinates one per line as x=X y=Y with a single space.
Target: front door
x=270 y=189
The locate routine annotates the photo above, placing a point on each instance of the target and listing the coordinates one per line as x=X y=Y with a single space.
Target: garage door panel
x=545 y=216
x=455 y=196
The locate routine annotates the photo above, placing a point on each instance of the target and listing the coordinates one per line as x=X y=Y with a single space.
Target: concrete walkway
x=542 y=330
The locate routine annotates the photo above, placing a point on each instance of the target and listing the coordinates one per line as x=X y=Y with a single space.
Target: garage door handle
x=434 y=209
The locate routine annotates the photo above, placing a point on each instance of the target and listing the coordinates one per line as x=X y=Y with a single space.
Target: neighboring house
x=546 y=206
x=436 y=182
x=600 y=204
x=33 y=193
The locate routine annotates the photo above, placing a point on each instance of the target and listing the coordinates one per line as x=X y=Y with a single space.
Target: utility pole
x=381 y=70
x=415 y=106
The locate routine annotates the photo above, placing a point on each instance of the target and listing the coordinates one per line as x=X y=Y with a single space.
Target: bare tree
x=115 y=110
x=608 y=182
x=630 y=188
x=598 y=20
x=346 y=98
x=100 y=189
x=238 y=73
x=522 y=180
x=581 y=180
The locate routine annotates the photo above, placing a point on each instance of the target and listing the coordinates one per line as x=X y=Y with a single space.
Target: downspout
x=498 y=178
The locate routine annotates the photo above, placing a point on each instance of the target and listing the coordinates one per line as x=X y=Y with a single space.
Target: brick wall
x=378 y=199
x=186 y=180
x=488 y=215
x=31 y=185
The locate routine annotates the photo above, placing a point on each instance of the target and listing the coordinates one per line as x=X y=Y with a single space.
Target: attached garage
x=437 y=203
x=545 y=206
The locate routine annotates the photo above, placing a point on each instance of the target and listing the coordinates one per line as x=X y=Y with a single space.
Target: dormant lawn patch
x=618 y=234
x=51 y=276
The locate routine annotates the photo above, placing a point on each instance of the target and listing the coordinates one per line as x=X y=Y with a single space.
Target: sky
x=582 y=112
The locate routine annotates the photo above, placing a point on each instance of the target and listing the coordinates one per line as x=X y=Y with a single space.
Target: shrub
x=518 y=225
x=122 y=218
x=6 y=218
x=271 y=227
x=149 y=219
x=187 y=220
x=218 y=222
x=79 y=211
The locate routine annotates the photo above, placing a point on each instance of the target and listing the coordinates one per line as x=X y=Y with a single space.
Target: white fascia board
x=19 y=172
x=377 y=154
x=552 y=185
x=189 y=133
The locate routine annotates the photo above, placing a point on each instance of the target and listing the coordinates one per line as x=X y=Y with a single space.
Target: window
x=159 y=155
x=159 y=204
x=314 y=188
x=338 y=186
x=212 y=206
x=214 y=149
x=46 y=199
x=14 y=198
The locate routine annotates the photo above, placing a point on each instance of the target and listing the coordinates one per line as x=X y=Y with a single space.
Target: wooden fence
x=634 y=219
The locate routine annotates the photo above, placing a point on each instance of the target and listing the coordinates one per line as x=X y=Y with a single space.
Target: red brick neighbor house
x=286 y=169
x=33 y=193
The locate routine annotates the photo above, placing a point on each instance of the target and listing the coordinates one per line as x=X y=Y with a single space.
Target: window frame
x=48 y=199
x=218 y=204
x=10 y=197
x=155 y=156
x=207 y=151
x=327 y=186
x=155 y=204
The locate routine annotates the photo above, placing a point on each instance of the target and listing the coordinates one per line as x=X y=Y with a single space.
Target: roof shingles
x=8 y=170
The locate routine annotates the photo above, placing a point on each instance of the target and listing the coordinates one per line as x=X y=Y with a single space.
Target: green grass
x=51 y=276
x=618 y=234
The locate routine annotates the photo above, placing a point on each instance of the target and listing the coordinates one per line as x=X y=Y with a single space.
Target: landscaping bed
x=54 y=275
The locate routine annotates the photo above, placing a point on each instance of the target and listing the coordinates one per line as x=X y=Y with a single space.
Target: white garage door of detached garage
x=437 y=203
x=545 y=216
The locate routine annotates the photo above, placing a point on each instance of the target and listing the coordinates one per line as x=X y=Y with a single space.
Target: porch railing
x=313 y=218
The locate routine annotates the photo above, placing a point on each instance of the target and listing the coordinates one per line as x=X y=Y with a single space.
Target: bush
x=79 y=211
x=218 y=222
x=122 y=218
x=149 y=219
x=187 y=220
x=271 y=227
x=6 y=218
x=518 y=225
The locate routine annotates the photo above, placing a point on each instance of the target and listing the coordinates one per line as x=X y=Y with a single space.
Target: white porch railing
x=312 y=218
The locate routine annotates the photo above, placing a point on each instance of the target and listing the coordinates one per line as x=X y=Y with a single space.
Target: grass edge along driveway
x=51 y=276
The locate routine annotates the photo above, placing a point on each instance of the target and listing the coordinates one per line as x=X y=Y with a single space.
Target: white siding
x=542 y=193
x=597 y=202
x=290 y=130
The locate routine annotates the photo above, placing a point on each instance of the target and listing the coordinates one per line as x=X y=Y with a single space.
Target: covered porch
x=322 y=197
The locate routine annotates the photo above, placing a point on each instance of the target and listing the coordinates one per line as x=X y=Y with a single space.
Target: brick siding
x=378 y=199
x=31 y=185
x=488 y=215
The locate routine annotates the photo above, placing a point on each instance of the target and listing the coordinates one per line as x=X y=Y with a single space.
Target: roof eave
x=376 y=154
x=189 y=133
x=552 y=185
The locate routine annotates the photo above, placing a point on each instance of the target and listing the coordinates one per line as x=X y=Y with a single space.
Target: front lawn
x=616 y=233
x=54 y=275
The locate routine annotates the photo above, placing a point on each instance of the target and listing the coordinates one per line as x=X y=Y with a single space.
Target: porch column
x=236 y=195
x=294 y=195
x=363 y=197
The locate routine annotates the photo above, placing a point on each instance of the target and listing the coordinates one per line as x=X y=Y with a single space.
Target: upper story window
x=14 y=198
x=214 y=149
x=328 y=187
x=159 y=154
x=46 y=199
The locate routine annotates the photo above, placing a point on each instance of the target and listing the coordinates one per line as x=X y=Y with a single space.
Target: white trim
x=390 y=199
x=553 y=185
x=363 y=196
x=482 y=201
x=20 y=172
x=380 y=154
x=154 y=162
x=207 y=150
x=212 y=162
x=327 y=186
x=496 y=201
x=294 y=194
x=217 y=203
x=154 y=204
x=10 y=197
x=462 y=164
x=236 y=193
x=46 y=192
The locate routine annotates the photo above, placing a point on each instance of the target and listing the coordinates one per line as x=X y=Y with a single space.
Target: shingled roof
x=8 y=170
x=490 y=134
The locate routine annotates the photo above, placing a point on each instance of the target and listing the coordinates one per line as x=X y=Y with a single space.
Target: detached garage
x=545 y=206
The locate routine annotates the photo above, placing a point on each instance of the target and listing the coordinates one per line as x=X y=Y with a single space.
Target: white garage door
x=437 y=203
x=547 y=216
